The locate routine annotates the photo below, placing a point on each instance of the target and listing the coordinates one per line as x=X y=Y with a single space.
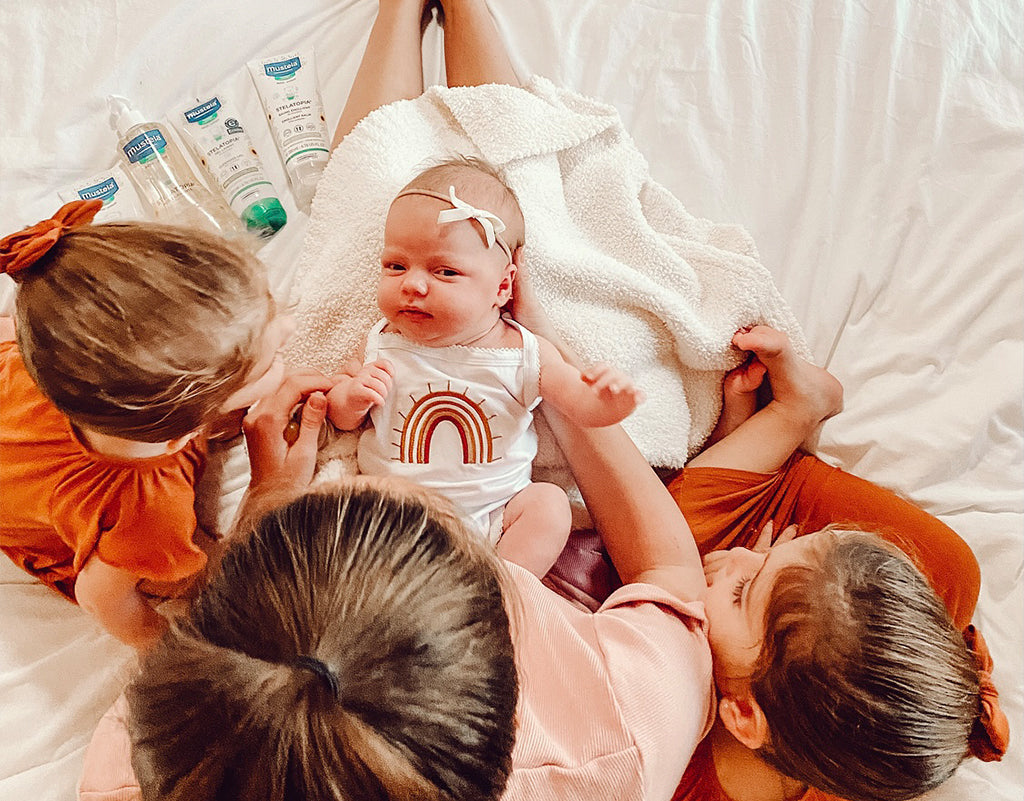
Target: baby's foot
x=805 y=390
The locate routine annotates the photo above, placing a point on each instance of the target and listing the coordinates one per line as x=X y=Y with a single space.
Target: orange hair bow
x=991 y=732
x=21 y=250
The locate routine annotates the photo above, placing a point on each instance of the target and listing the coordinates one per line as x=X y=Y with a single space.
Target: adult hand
x=278 y=462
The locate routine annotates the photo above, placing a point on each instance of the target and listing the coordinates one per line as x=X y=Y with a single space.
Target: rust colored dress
x=727 y=508
x=60 y=502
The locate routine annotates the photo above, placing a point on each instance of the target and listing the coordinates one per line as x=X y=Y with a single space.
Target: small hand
x=352 y=397
x=764 y=542
x=615 y=389
x=275 y=462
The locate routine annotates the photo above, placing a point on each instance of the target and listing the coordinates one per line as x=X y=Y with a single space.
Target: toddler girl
x=449 y=383
x=129 y=341
x=844 y=668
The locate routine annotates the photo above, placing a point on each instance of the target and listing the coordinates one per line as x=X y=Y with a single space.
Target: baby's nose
x=415 y=284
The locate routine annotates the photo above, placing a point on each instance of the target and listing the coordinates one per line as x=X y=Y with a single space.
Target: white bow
x=489 y=221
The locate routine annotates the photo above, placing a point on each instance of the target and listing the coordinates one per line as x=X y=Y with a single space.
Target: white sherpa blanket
x=626 y=274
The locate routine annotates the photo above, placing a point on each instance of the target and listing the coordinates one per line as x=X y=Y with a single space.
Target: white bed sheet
x=873 y=149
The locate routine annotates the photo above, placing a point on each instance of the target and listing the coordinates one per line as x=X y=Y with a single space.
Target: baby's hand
x=352 y=397
x=615 y=389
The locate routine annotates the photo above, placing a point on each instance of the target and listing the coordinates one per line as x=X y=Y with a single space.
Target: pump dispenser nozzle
x=123 y=116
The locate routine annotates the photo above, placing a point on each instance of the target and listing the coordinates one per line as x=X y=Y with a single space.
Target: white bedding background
x=873 y=149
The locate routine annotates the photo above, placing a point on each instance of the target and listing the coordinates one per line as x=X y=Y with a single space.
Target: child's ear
x=507 y=281
x=744 y=719
x=176 y=445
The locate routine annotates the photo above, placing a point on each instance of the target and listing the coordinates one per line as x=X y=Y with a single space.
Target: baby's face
x=440 y=284
x=740 y=582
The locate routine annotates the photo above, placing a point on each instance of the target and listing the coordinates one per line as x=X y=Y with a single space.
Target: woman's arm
x=646 y=535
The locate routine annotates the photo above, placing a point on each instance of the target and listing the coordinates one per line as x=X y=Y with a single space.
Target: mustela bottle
x=159 y=171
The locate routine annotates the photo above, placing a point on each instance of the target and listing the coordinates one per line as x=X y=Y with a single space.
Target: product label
x=145 y=146
x=223 y=149
x=105 y=191
x=120 y=200
x=204 y=112
x=282 y=69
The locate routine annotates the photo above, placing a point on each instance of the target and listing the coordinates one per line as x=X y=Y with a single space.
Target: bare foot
x=801 y=389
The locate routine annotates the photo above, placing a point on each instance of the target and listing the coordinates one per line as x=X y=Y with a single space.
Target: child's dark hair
x=141 y=331
x=868 y=689
x=354 y=645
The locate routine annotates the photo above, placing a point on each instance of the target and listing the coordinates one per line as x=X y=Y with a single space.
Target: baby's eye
x=447 y=272
x=392 y=267
x=737 y=593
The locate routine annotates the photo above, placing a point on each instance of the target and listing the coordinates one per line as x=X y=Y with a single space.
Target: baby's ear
x=744 y=719
x=508 y=279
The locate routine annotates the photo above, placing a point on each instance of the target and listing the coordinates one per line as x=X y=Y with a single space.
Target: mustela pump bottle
x=163 y=177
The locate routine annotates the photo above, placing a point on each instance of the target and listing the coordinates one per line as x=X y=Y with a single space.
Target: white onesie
x=458 y=419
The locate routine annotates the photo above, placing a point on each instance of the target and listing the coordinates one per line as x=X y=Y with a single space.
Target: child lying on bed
x=830 y=617
x=445 y=354
x=132 y=339
x=839 y=669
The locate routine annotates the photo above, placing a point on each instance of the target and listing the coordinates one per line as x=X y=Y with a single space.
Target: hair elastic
x=490 y=222
x=20 y=250
x=320 y=668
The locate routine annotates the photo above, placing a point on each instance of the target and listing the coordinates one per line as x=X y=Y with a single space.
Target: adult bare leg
x=474 y=53
x=392 y=65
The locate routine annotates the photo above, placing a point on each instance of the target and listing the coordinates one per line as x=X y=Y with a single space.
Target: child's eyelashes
x=737 y=593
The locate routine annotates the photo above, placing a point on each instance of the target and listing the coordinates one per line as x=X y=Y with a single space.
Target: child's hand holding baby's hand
x=352 y=397
x=615 y=389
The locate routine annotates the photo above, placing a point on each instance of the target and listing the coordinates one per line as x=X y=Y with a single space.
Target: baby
x=449 y=383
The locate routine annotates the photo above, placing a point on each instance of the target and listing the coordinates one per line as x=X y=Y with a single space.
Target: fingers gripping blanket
x=626 y=274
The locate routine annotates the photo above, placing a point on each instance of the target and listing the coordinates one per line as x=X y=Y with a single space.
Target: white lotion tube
x=115 y=189
x=220 y=144
x=288 y=89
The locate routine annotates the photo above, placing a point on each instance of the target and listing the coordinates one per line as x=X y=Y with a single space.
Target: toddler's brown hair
x=869 y=690
x=140 y=330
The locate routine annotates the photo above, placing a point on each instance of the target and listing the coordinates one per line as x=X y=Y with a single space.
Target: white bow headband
x=490 y=222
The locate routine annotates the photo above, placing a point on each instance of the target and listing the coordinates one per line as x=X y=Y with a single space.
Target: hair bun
x=20 y=250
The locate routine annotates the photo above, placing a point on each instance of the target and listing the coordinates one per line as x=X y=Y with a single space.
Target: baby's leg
x=802 y=396
x=536 y=527
x=392 y=65
x=474 y=53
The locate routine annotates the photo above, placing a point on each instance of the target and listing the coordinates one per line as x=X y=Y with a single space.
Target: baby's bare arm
x=357 y=390
x=597 y=397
